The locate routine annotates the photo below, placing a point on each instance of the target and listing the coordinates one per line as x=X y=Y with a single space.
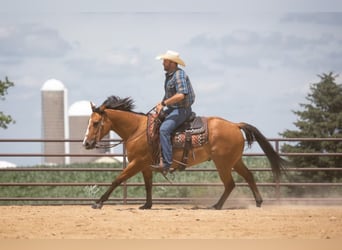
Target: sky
x=251 y=61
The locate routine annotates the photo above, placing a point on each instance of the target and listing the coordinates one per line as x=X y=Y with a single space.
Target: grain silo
x=54 y=125
x=79 y=114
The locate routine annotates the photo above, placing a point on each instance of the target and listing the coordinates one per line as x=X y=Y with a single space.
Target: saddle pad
x=197 y=140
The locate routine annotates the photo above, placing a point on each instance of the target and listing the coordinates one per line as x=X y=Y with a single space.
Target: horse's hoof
x=258 y=204
x=216 y=207
x=145 y=206
x=97 y=205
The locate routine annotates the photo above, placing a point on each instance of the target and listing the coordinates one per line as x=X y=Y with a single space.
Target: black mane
x=115 y=102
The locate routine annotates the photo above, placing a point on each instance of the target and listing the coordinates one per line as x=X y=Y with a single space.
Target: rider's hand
x=159 y=107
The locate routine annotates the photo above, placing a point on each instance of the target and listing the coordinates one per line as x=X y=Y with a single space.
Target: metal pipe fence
x=275 y=195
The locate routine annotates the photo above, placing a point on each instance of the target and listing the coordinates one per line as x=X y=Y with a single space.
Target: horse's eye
x=95 y=124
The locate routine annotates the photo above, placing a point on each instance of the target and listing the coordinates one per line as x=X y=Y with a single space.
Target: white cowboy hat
x=172 y=56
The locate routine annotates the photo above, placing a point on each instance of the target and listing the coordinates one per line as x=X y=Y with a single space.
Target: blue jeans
x=174 y=118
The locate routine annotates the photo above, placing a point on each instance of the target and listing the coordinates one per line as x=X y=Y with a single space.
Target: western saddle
x=191 y=134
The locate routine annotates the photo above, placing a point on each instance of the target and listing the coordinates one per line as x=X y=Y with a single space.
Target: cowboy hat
x=172 y=56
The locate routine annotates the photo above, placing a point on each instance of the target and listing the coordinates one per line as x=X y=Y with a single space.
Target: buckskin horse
x=224 y=147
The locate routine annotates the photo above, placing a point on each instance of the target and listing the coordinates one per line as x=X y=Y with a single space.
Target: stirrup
x=164 y=171
x=181 y=165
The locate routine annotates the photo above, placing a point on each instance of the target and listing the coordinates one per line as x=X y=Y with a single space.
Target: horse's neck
x=126 y=124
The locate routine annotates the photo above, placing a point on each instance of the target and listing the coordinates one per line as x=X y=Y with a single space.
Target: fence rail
x=125 y=199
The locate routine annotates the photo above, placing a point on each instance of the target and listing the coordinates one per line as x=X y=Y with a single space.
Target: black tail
x=253 y=134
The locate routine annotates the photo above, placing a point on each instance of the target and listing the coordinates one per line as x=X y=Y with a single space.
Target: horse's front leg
x=99 y=203
x=147 y=173
x=128 y=172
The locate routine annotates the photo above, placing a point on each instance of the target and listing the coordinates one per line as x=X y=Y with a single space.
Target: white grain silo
x=79 y=114
x=54 y=123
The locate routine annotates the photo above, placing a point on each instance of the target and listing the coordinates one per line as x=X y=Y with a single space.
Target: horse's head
x=98 y=126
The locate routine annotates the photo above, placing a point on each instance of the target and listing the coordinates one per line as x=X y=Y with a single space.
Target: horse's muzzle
x=89 y=144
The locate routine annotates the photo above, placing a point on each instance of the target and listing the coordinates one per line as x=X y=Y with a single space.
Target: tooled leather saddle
x=191 y=134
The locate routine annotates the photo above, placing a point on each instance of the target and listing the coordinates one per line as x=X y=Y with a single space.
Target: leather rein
x=103 y=145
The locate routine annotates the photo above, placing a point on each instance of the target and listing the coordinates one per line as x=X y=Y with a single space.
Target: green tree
x=321 y=117
x=5 y=119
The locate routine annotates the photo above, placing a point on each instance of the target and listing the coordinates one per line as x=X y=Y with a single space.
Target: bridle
x=99 y=127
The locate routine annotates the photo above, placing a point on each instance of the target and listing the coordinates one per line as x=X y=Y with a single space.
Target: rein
x=102 y=145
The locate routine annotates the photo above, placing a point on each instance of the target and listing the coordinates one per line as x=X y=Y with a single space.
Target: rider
x=176 y=103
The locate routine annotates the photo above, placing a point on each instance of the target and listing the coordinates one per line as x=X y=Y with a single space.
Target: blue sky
x=247 y=62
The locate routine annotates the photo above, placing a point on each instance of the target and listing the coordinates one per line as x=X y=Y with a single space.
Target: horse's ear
x=93 y=106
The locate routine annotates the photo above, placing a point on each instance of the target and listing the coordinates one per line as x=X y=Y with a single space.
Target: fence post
x=277 y=189
x=124 y=165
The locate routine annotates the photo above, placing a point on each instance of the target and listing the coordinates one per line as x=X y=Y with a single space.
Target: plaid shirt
x=179 y=82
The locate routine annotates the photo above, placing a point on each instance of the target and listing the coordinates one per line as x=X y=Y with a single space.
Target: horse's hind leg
x=227 y=179
x=242 y=170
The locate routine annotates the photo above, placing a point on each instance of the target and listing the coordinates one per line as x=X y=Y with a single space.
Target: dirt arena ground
x=170 y=222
